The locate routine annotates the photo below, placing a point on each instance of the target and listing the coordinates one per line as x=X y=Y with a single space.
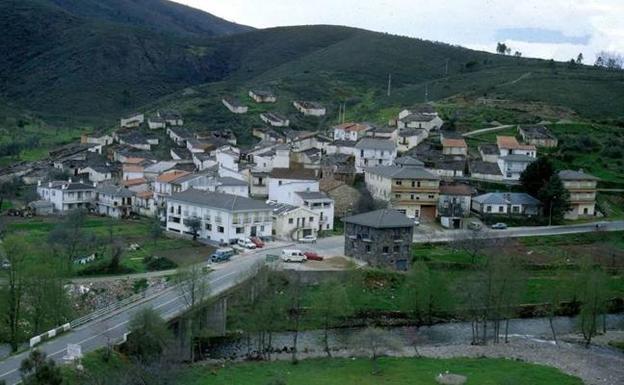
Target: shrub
x=154 y=263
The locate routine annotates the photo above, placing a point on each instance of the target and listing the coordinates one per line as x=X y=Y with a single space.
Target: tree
x=593 y=297
x=375 y=342
x=148 y=337
x=192 y=284
x=155 y=228
x=15 y=251
x=579 y=58
x=420 y=298
x=294 y=296
x=194 y=224
x=48 y=301
x=329 y=304
x=609 y=60
x=69 y=235
x=37 y=370
x=501 y=48
x=536 y=175
x=518 y=54
x=556 y=198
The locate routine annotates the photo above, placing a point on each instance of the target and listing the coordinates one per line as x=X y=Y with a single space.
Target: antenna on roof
x=389 y=84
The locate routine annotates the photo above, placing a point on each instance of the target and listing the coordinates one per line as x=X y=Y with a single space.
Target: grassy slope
x=393 y=371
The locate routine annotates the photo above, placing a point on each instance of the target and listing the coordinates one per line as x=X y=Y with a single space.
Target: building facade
x=582 y=188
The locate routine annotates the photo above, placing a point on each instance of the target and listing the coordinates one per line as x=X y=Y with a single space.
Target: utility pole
x=389 y=84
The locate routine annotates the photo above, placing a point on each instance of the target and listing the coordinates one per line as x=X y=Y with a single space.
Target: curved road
x=168 y=303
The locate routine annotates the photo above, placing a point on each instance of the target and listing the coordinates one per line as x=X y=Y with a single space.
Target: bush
x=159 y=263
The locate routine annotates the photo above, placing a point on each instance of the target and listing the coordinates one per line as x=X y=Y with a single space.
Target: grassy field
x=98 y=231
x=395 y=371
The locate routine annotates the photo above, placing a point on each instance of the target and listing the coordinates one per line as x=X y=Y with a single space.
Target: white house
x=98 y=139
x=451 y=146
x=425 y=109
x=276 y=156
x=98 y=173
x=275 y=120
x=419 y=120
x=262 y=96
x=374 y=152
x=171 y=118
x=454 y=204
x=320 y=203
x=506 y=204
x=285 y=183
x=179 y=135
x=512 y=166
x=408 y=138
x=509 y=145
x=310 y=108
x=234 y=105
x=291 y=223
x=152 y=171
x=228 y=157
x=223 y=218
x=67 y=195
x=132 y=121
x=113 y=201
x=351 y=131
x=167 y=184
x=156 y=122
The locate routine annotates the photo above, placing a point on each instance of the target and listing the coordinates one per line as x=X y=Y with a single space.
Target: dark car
x=312 y=256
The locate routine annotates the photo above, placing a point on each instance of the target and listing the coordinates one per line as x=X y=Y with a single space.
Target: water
x=441 y=334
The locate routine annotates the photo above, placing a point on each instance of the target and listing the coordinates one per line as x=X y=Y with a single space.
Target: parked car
x=308 y=239
x=499 y=226
x=222 y=255
x=289 y=255
x=258 y=242
x=474 y=226
x=246 y=243
x=416 y=222
x=312 y=256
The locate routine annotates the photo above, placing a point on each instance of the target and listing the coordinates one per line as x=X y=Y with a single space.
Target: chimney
x=70 y=180
x=39 y=183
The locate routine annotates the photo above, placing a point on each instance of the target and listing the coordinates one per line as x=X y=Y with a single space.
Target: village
x=296 y=186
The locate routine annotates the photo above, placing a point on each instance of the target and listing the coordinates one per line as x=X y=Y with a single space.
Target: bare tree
x=295 y=308
x=375 y=342
x=15 y=251
x=194 y=288
x=473 y=242
x=593 y=296
x=330 y=304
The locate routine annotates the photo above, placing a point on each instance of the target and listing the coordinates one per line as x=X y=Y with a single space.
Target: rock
x=451 y=379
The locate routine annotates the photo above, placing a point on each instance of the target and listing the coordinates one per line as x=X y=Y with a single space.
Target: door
x=253 y=231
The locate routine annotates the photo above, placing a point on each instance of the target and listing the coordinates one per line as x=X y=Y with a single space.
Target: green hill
x=86 y=62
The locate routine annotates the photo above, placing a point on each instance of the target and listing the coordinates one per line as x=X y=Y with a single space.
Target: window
x=412 y=196
x=488 y=209
x=386 y=249
x=221 y=229
x=396 y=249
x=208 y=227
x=261 y=228
x=239 y=230
x=397 y=196
x=500 y=209
x=179 y=210
x=413 y=184
x=368 y=248
x=279 y=183
x=515 y=209
x=431 y=196
x=311 y=219
x=399 y=183
x=290 y=221
x=171 y=209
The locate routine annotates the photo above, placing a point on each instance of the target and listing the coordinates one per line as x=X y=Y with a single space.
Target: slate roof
x=281 y=208
x=72 y=186
x=409 y=132
x=309 y=105
x=486 y=168
x=537 y=132
x=221 y=201
x=288 y=173
x=312 y=195
x=576 y=175
x=518 y=158
x=457 y=189
x=354 y=127
x=398 y=172
x=407 y=160
x=381 y=219
x=376 y=144
x=417 y=117
x=115 y=191
x=262 y=93
x=274 y=117
x=489 y=149
x=229 y=181
x=507 y=198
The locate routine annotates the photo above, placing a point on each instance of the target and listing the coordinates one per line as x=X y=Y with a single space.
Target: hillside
x=59 y=62
x=85 y=62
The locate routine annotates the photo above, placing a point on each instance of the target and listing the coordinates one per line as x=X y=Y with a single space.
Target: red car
x=257 y=241
x=312 y=256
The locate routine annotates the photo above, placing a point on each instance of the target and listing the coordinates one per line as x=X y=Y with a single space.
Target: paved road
x=486 y=130
x=168 y=303
x=518 y=232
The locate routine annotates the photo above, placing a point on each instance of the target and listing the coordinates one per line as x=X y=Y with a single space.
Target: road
x=517 y=232
x=168 y=303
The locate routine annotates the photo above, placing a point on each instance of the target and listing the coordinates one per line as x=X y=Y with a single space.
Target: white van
x=293 y=256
